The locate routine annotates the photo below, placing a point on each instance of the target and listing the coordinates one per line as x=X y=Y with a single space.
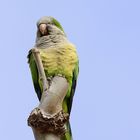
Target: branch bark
x=51 y=100
x=39 y=136
x=40 y=68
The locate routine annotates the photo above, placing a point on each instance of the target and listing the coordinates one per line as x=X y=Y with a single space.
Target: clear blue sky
x=107 y=35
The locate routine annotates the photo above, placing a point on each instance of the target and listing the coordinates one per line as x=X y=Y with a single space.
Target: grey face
x=42 y=25
x=45 y=20
x=49 y=26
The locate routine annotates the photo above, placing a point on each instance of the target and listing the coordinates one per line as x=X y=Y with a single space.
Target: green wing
x=34 y=73
x=73 y=87
x=68 y=102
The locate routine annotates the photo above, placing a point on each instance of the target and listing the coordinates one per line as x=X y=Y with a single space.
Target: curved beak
x=43 y=28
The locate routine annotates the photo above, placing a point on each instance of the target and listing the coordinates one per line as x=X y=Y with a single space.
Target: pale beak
x=43 y=28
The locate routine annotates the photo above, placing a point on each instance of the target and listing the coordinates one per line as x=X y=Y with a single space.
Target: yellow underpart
x=59 y=60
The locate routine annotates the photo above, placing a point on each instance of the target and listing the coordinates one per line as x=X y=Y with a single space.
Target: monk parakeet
x=59 y=57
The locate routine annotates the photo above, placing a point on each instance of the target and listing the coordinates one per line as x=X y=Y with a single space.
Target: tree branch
x=40 y=68
x=50 y=107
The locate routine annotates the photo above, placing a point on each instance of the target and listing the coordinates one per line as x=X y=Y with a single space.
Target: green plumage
x=58 y=58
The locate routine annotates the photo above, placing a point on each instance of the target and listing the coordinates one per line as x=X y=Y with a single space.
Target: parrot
x=59 y=57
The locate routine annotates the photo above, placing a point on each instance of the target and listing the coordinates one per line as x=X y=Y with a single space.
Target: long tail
x=68 y=134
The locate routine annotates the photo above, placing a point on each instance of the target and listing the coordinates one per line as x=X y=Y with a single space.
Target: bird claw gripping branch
x=43 y=122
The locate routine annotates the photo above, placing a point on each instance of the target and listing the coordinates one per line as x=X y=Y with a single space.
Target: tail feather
x=68 y=134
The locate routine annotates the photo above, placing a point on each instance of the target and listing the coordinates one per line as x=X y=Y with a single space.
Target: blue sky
x=107 y=35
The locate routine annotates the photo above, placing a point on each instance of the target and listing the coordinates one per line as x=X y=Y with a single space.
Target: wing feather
x=34 y=73
x=73 y=87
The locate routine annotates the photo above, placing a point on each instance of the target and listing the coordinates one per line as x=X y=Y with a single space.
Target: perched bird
x=58 y=57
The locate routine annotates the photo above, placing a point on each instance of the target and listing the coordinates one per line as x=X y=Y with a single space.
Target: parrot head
x=48 y=26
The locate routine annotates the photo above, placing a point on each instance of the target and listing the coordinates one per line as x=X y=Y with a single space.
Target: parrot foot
x=46 y=123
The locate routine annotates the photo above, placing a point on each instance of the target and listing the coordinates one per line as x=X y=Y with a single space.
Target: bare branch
x=50 y=105
x=40 y=68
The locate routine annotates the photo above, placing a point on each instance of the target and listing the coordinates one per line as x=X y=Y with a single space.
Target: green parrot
x=59 y=57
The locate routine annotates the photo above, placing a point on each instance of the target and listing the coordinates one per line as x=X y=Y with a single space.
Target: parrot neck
x=50 y=41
